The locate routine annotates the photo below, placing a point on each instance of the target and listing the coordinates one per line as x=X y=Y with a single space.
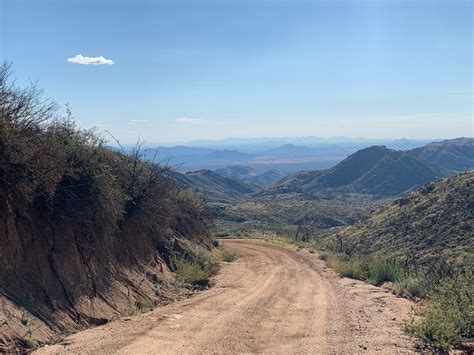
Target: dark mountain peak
x=355 y=165
x=374 y=149
x=375 y=170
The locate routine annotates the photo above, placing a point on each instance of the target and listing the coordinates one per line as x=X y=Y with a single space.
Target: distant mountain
x=227 y=154
x=214 y=187
x=376 y=170
x=289 y=155
x=268 y=178
x=178 y=150
x=195 y=158
x=251 y=175
x=275 y=142
x=405 y=144
x=293 y=150
x=454 y=154
x=436 y=220
x=238 y=171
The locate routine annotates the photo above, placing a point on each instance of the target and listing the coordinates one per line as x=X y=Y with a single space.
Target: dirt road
x=271 y=300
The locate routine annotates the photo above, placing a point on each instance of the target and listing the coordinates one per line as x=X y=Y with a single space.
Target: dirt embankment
x=271 y=300
x=60 y=277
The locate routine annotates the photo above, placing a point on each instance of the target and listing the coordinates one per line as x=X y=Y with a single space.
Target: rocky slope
x=215 y=187
x=435 y=221
x=454 y=154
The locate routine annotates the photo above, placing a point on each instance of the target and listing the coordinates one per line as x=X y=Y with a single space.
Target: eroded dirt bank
x=271 y=300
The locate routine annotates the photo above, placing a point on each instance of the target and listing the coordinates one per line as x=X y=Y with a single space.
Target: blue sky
x=186 y=70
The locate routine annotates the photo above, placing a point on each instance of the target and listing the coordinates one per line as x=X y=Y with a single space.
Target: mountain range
x=285 y=155
x=375 y=170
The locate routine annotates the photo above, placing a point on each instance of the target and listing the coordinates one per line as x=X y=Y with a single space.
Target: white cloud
x=188 y=120
x=137 y=122
x=80 y=59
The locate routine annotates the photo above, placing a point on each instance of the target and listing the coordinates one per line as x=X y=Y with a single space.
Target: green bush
x=198 y=254
x=409 y=287
x=229 y=255
x=346 y=269
x=448 y=320
x=144 y=305
x=356 y=268
x=370 y=269
x=191 y=272
x=195 y=265
x=381 y=270
x=31 y=344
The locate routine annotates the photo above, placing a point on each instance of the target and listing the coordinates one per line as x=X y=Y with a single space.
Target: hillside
x=238 y=171
x=376 y=170
x=289 y=150
x=251 y=175
x=454 y=154
x=214 y=187
x=435 y=221
x=286 y=216
x=87 y=234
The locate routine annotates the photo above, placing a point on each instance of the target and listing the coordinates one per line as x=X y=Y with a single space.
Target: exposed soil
x=270 y=300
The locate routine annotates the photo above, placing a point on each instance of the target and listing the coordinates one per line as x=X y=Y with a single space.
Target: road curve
x=273 y=300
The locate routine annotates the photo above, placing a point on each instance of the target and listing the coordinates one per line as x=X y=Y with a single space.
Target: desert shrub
x=30 y=343
x=222 y=253
x=193 y=202
x=382 y=270
x=191 y=272
x=143 y=305
x=68 y=173
x=198 y=254
x=374 y=270
x=409 y=287
x=195 y=265
x=229 y=255
x=352 y=268
x=448 y=320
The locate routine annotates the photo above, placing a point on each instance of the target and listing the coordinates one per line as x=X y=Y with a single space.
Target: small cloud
x=188 y=120
x=137 y=122
x=80 y=59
